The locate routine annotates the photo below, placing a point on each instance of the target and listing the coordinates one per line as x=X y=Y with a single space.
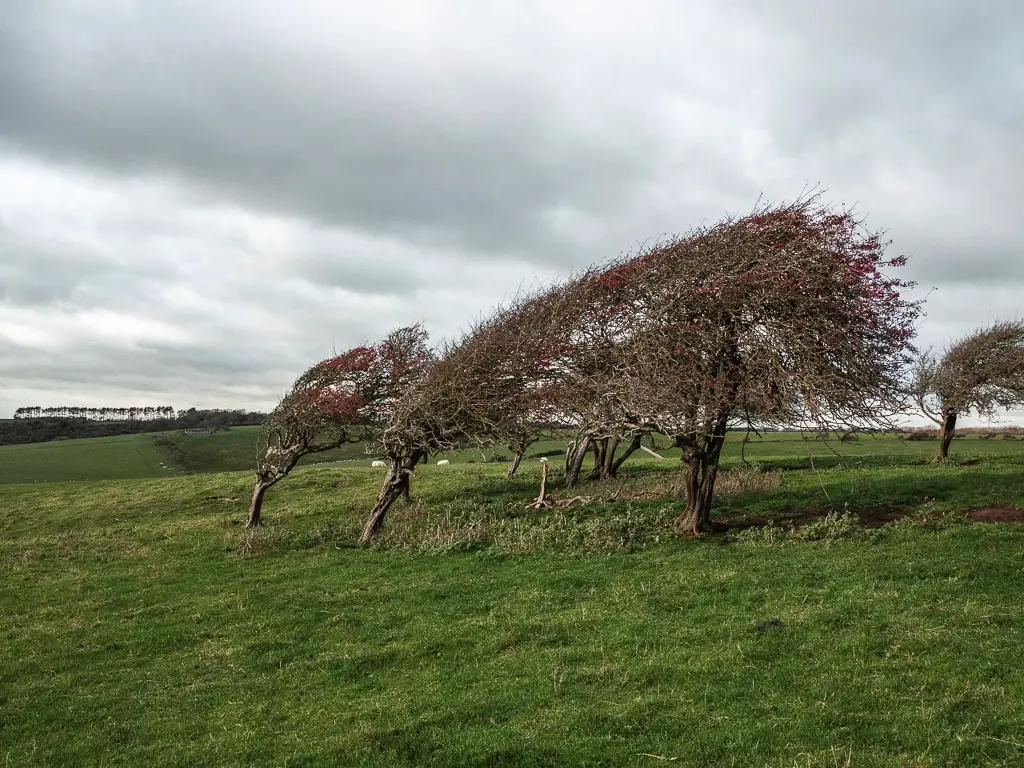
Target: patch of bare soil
x=996 y=515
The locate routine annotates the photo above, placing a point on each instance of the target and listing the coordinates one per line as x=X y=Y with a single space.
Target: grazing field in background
x=97 y=458
x=143 y=625
x=171 y=453
x=142 y=455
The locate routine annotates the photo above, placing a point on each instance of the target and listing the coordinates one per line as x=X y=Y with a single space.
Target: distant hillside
x=44 y=429
x=163 y=454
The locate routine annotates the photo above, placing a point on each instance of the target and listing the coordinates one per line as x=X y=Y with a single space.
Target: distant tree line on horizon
x=129 y=413
x=40 y=429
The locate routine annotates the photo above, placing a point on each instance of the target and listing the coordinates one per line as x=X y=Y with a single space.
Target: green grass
x=145 y=455
x=97 y=458
x=236 y=450
x=134 y=632
x=163 y=454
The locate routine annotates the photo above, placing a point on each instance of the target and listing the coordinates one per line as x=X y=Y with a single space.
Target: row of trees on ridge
x=45 y=428
x=129 y=413
x=788 y=317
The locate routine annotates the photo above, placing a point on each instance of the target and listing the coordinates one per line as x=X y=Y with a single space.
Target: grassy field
x=143 y=626
x=145 y=455
x=97 y=458
x=170 y=453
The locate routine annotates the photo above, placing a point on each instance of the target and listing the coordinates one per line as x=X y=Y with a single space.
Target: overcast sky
x=200 y=199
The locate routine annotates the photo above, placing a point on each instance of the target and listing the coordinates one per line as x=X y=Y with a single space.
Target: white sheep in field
x=378 y=463
x=443 y=462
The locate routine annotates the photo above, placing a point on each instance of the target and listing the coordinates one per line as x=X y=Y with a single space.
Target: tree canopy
x=346 y=398
x=786 y=316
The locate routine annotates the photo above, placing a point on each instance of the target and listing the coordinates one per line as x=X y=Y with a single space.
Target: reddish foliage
x=356 y=360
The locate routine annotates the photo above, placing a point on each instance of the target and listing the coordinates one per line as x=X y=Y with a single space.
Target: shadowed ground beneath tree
x=873 y=517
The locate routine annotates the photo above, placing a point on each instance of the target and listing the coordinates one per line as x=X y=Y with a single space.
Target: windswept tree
x=487 y=388
x=345 y=398
x=982 y=373
x=785 y=316
x=602 y=309
x=534 y=423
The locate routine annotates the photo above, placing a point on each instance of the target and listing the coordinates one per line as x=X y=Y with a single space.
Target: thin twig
x=820 y=481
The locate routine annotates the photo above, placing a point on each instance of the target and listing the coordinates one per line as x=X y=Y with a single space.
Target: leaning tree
x=983 y=373
x=492 y=386
x=785 y=316
x=604 y=307
x=345 y=398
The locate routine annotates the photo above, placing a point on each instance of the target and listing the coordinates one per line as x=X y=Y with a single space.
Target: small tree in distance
x=983 y=373
x=345 y=398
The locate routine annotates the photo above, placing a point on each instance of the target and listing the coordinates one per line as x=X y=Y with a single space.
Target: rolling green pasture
x=140 y=624
x=143 y=455
x=236 y=449
x=96 y=458
x=163 y=454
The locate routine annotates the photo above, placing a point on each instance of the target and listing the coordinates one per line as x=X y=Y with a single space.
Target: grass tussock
x=560 y=532
x=840 y=525
x=834 y=526
x=276 y=538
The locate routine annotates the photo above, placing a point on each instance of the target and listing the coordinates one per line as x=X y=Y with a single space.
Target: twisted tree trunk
x=516 y=460
x=701 y=471
x=606 y=465
x=946 y=431
x=518 y=449
x=570 y=454
x=256 y=505
x=396 y=484
x=609 y=458
x=601 y=451
x=633 y=446
x=573 y=475
x=268 y=475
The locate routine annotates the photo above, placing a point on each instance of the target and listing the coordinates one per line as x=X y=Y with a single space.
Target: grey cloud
x=31 y=279
x=364 y=273
x=914 y=110
x=469 y=158
x=946 y=69
x=69 y=273
x=94 y=367
x=277 y=182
